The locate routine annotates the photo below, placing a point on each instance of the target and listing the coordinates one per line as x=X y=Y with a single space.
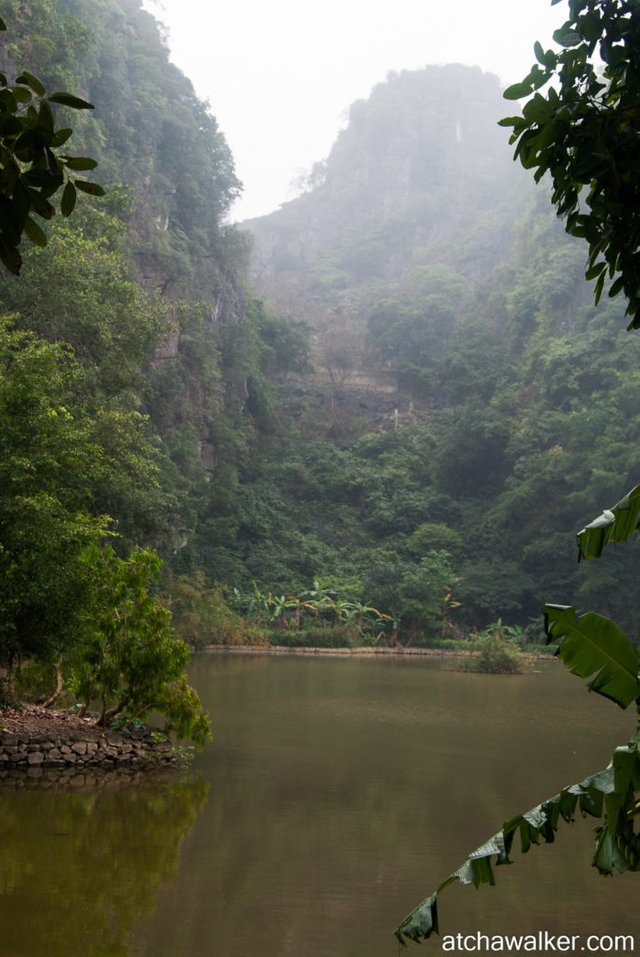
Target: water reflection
x=79 y=868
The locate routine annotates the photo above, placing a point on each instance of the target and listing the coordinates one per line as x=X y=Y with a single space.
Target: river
x=336 y=795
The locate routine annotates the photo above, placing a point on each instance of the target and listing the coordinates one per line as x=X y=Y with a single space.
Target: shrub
x=496 y=654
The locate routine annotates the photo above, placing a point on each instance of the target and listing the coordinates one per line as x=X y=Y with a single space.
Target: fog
x=280 y=75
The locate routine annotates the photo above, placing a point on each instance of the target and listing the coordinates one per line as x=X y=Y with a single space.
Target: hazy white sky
x=280 y=74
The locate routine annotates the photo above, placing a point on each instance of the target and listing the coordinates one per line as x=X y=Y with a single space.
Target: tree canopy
x=33 y=167
x=584 y=133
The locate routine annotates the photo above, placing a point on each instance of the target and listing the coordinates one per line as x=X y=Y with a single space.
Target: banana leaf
x=613 y=525
x=609 y=792
x=592 y=645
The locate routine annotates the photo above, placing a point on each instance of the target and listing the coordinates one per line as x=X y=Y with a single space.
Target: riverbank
x=361 y=652
x=35 y=738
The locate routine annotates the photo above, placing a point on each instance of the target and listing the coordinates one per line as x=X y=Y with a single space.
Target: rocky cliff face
x=421 y=176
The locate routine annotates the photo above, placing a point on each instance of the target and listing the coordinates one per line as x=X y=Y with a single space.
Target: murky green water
x=337 y=794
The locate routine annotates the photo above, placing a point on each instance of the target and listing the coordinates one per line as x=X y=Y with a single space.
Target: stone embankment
x=360 y=652
x=86 y=749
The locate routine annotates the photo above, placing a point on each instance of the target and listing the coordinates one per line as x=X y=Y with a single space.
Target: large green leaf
x=68 y=201
x=592 y=645
x=609 y=792
x=614 y=525
x=86 y=186
x=67 y=99
x=28 y=79
x=37 y=236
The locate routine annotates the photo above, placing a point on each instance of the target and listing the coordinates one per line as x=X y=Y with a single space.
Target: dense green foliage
x=201 y=615
x=316 y=617
x=113 y=54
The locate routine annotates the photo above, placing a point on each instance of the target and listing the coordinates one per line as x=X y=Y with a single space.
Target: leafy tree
x=32 y=167
x=47 y=457
x=130 y=659
x=585 y=134
x=424 y=597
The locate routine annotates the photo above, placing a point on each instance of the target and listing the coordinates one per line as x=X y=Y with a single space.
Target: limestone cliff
x=421 y=176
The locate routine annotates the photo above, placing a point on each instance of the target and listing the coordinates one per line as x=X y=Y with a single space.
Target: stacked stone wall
x=85 y=749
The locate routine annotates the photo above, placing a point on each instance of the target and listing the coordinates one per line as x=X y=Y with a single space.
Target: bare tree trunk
x=108 y=714
x=49 y=703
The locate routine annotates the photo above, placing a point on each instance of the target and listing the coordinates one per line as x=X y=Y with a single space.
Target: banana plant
x=596 y=649
x=360 y=614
